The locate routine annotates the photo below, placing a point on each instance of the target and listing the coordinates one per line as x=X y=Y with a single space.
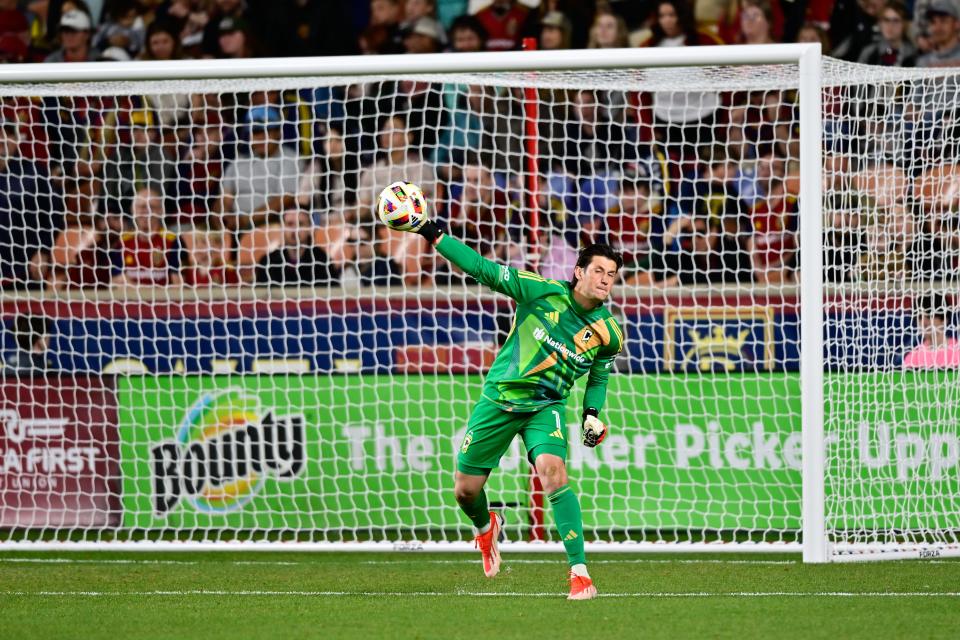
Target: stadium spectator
x=221 y=9
x=27 y=225
x=207 y=260
x=555 y=31
x=398 y=160
x=675 y=27
x=921 y=24
x=376 y=40
x=425 y=35
x=415 y=10
x=187 y=20
x=756 y=22
x=385 y=19
x=938 y=348
x=147 y=254
x=774 y=215
x=887 y=240
x=81 y=253
x=136 y=161
x=506 y=22
x=15 y=25
x=467 y=35
x=580 y=14
x=635 y=221
x=559 y=232
x=329 y=180
x=944 y=27
x=894 y=48
x=936 y=246
x=814 y=33
x=235 y=39
x=609 y=31
x=124 y=28
x=31 y=335
x=200 y=173
x=694 y=252
x=597 y=140
x=300 y=261
x=481 y=215
x=386 y=12
x=162 y=42
x=683 y=120
x=853 y=26
x=75 y=27
x=261 y=185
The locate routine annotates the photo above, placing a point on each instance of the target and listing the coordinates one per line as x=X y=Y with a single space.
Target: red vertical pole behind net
x=531 y=116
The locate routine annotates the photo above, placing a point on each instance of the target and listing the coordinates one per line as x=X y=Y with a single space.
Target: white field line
x=406 y=561
x=487 y=594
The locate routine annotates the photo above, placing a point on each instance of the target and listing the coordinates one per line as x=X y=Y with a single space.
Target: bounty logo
x=224 y=450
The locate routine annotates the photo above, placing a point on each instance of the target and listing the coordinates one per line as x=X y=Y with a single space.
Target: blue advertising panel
x=716 y=334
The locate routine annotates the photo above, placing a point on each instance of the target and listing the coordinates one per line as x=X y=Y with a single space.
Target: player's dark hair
x=589 y=252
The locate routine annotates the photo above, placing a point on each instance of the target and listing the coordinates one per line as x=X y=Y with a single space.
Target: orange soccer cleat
x=581 y=588
x=487 y=543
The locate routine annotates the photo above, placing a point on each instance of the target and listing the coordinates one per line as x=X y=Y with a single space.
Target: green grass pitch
x=233 y=595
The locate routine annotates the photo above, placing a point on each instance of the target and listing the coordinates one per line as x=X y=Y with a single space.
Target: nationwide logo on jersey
x=224 y=450
x=540 y=335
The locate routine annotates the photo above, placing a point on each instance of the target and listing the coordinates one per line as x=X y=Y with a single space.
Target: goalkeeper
x=561 y=331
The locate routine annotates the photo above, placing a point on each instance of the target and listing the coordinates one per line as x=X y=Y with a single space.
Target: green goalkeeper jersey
x=553 y=340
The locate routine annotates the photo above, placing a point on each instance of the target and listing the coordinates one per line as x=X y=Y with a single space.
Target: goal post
x=237 y=357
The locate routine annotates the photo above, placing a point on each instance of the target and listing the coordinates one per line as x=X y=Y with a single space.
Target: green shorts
x=491 y=430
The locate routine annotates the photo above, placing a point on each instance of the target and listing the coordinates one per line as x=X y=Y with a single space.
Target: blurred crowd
x=279 y=187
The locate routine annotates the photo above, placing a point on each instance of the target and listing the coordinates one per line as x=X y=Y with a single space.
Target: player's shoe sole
x=488 y=545
x=581 y=588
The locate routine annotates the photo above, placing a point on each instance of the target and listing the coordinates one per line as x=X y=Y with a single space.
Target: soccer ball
x=401 y=206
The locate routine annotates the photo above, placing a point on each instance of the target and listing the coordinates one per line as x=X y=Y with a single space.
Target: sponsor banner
x=685 y=451
x=369 y=336
x=59 y=455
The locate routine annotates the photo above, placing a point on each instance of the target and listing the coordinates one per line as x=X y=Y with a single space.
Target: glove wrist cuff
x=430 y=230
x=590 y=411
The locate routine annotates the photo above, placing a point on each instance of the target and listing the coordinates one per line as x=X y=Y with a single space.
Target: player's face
x=595 y=281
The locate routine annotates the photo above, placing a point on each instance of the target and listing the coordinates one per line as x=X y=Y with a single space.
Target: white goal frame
x=808 y=59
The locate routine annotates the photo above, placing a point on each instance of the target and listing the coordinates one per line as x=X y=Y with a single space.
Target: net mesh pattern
x=208 y=335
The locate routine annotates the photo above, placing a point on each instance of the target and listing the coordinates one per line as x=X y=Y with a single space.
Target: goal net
x=208 y=338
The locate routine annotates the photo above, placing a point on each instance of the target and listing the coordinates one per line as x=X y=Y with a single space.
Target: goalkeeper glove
x=429 y=230
x=593 y=430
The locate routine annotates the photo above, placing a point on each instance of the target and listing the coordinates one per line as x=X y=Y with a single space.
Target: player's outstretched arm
x=519 y=285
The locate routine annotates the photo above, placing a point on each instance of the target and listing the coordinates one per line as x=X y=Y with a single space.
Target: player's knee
x=465 y=495
x=553 y=475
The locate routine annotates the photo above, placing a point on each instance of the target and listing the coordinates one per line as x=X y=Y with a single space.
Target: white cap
x=117 y=54
x=77 y=20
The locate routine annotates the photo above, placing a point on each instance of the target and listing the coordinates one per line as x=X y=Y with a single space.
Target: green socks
x=566 y=513
x=479 y=511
